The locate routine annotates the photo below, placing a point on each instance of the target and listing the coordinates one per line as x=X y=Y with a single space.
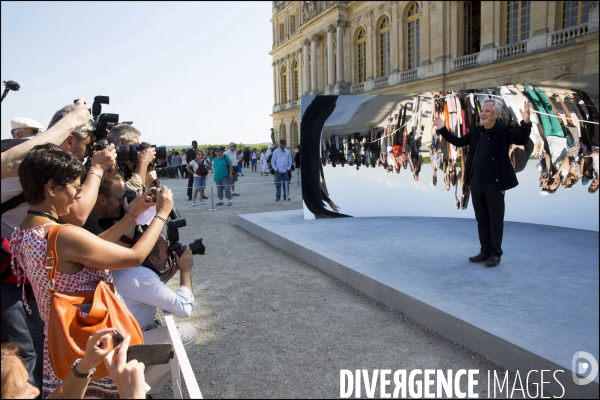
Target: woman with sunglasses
x=51 y=180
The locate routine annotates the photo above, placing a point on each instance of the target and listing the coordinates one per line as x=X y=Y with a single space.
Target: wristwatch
x=80 y=375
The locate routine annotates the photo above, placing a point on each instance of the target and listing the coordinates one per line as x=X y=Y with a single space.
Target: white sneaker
x=230 y=203
x=202 y=202
x=194 y=203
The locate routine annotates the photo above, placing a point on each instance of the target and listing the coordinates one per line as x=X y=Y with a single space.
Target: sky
x=181 y=71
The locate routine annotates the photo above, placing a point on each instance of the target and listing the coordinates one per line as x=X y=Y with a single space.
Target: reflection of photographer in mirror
x=489 y=172
x=143 y=289
x=137 y=176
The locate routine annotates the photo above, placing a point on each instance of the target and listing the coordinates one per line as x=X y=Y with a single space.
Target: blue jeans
x=224 y=184
x=281 y=177
x=253 y=162
x=24 y=330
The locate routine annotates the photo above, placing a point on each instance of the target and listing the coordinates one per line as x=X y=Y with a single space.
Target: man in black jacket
x=189 y=156
x=489 y=172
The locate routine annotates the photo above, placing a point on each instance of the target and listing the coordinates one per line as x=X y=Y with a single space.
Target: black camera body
x=102 y=121
x=130 y=152
x=176 y=222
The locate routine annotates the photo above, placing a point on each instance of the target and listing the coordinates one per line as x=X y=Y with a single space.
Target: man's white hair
x=497 y=104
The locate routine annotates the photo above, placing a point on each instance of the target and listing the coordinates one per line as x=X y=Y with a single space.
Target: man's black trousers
x=488 y=202
x=190 y=184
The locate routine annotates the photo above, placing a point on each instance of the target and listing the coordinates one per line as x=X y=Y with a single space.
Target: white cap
x=22 y=122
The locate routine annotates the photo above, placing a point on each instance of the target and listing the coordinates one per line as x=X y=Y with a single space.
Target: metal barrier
x=180 y=364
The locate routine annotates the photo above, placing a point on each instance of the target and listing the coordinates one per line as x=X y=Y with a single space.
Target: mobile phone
x=150 y=354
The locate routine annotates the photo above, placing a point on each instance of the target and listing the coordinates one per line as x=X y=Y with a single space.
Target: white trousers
x=157 y=375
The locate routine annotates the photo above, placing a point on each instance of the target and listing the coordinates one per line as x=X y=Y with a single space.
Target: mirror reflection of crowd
x=564 y=137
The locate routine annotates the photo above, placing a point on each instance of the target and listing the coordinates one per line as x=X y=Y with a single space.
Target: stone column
x=313 y=54
x=330 y=60
x=306 y=68
x=340 y=51
x=275 y=87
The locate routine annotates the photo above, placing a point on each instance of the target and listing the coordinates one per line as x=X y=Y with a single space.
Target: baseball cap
x=232 y=144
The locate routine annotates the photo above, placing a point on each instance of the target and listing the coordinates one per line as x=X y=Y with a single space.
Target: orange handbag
x=69 y=329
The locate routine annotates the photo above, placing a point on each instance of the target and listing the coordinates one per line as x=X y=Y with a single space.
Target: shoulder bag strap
x=52 y=255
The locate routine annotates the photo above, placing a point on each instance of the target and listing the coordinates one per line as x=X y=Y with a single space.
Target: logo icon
x=584 y=368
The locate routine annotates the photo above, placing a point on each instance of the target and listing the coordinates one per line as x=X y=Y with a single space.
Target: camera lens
x=197 y=247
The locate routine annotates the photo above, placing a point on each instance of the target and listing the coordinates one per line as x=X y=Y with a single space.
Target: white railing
x=472 y=60
x=294 y=104
x=408 y=75
x=359 y=87
x=383 y=81
x=180 y=364
x=511 y=50
x=566 y=35
x=282 y=107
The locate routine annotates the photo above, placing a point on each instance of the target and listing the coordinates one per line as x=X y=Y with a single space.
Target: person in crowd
x=21 y=127
x=240 y=164
x=110 y=204
x=51 y=180
x=176 y=162
x=191 y=155
x=297 y=163
x=128 y=376
x=143 y=289
x=264 y=164
x=489 y=172
x=137 y=176
x=435 y=156
x=183 y=164
x=233 y=156
x=102 y=166
x=247 y=155
x=25 y=329
x=198 y=168
x=281 y=162
x=222 y=165
x=253 y=159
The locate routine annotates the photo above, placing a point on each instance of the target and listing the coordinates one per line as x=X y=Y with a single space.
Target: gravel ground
x=272 y=326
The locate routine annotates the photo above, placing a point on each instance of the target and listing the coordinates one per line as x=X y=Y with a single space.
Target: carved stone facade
x=322 y=39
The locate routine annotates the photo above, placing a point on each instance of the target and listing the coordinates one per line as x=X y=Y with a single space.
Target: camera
x=130 y=152
x=176 y=222
x=102 y=122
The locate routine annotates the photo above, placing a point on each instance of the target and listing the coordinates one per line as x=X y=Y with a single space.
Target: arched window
x=517 y=21
x=574 y=13
x=385 y=56
x=295 y=68
x=361 y=55
x=284 y=97
x=413 y=56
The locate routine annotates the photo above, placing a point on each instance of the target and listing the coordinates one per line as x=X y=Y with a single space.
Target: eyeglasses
x=78 y=189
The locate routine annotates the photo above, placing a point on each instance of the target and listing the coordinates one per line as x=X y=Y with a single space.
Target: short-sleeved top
x=221 y=167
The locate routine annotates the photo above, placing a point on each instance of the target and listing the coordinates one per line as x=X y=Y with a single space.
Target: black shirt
x=483 y=166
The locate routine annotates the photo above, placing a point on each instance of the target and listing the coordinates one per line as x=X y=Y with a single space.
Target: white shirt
x=281 y=160
x=143 y=291
x=232 y=156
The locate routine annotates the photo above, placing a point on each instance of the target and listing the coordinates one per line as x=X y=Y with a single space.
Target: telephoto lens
x=197 y=247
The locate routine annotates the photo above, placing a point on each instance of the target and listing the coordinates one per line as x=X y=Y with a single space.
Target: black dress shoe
x=479 y=257
x=492 y=261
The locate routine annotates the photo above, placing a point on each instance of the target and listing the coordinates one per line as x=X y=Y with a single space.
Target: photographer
x=23 y=328
x=143 y=289
x=102 y=165
x=137 y=176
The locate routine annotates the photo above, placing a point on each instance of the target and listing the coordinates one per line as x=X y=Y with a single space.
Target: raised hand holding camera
x=104 y=160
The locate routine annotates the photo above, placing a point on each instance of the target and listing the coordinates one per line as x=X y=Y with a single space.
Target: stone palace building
x=385 y=47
